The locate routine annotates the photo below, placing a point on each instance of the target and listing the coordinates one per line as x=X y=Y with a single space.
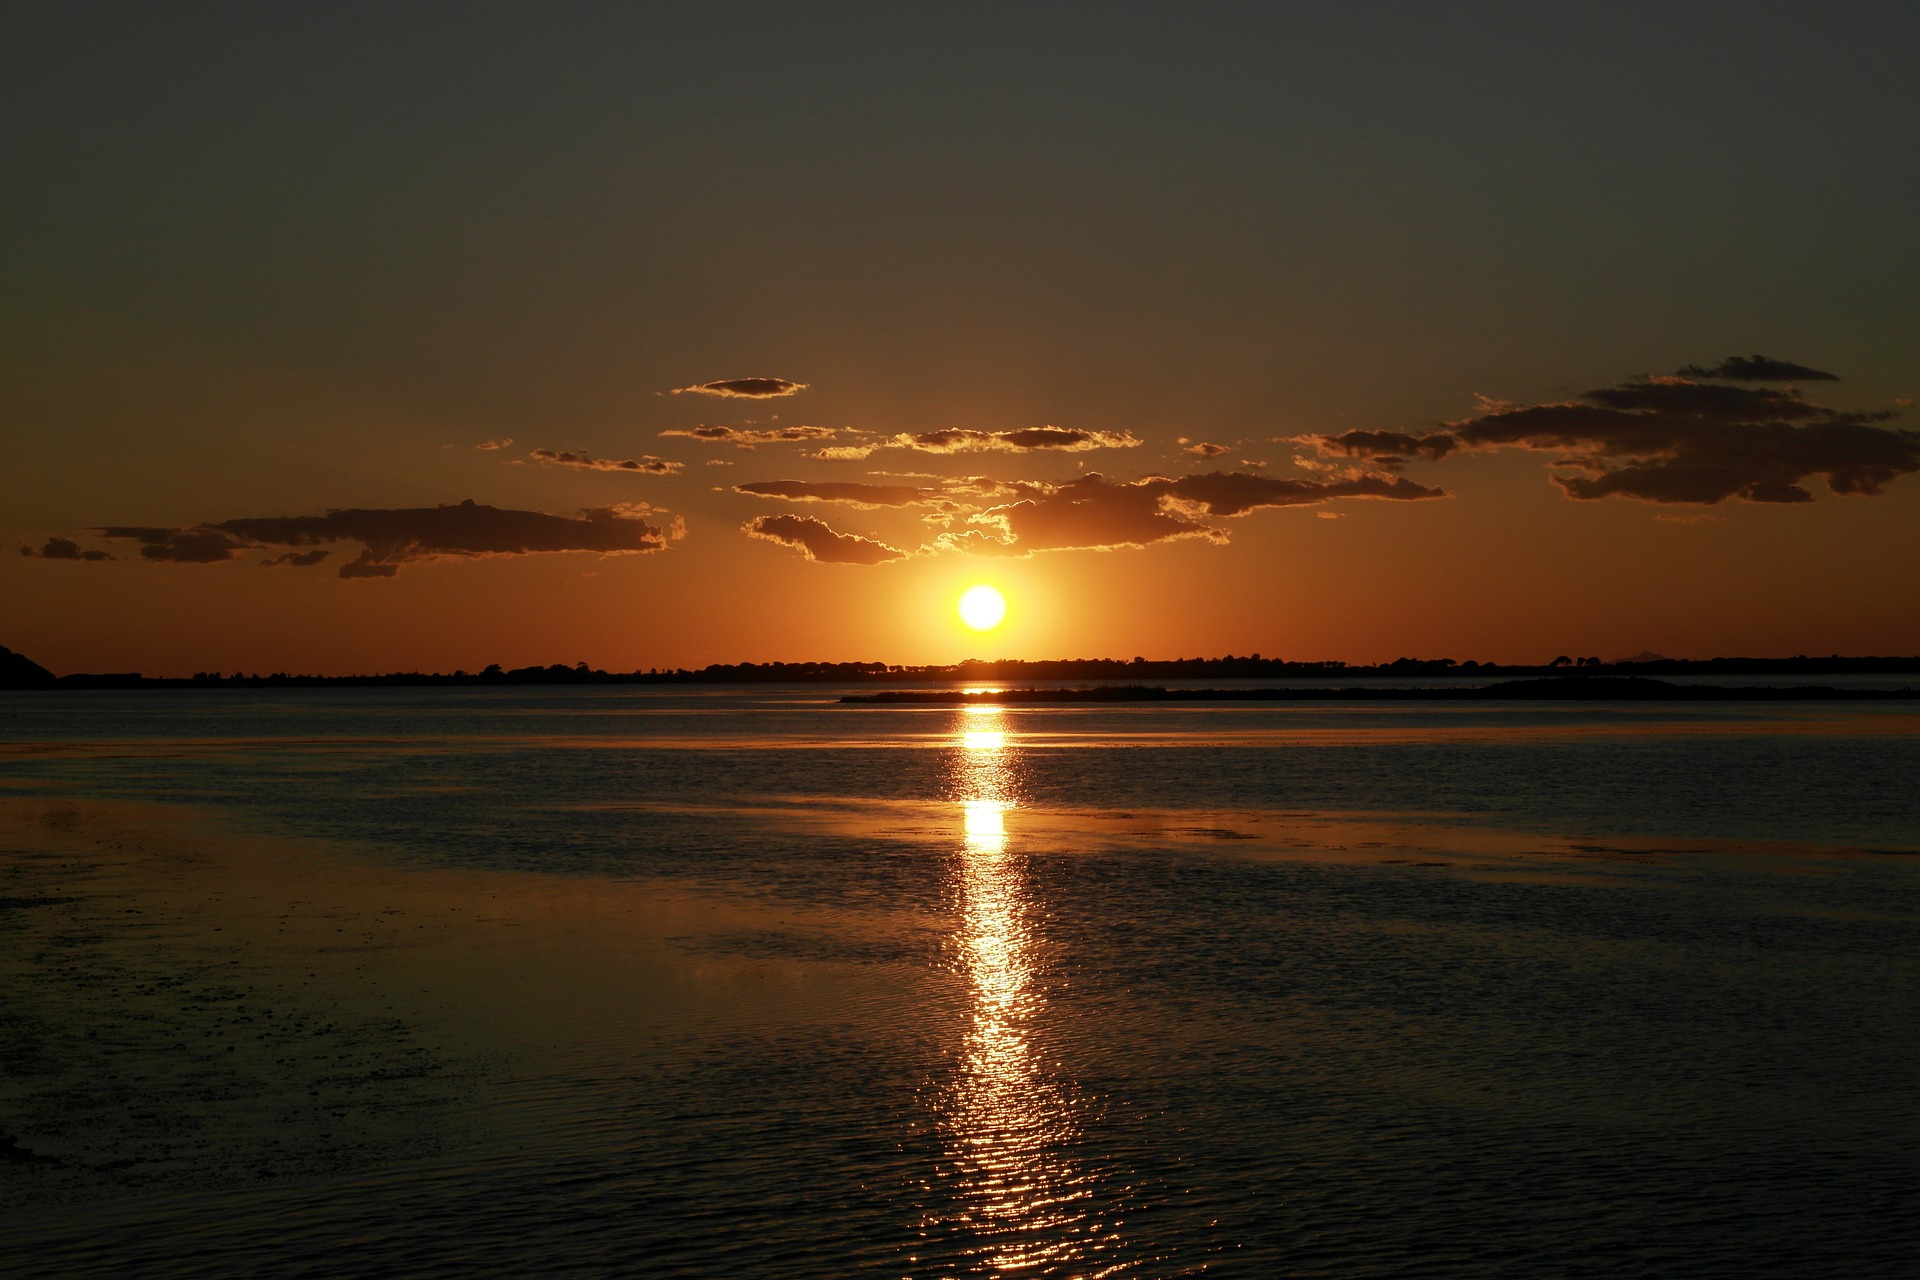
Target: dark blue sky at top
x=1042 y=212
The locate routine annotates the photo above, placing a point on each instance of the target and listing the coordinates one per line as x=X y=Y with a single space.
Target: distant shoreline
x=1579 y=688
x=18 y=672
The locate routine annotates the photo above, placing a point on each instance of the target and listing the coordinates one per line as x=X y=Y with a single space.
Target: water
x=749 y=983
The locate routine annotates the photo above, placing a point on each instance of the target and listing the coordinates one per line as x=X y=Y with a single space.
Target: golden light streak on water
x=1011 y=1127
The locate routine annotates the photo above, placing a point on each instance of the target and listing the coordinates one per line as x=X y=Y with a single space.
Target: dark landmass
x=1585 y=688
x=20 y=672
x=17 y=672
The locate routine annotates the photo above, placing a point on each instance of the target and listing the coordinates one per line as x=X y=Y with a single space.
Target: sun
x=982 y=607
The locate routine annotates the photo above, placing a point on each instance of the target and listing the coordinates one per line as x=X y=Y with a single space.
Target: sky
x=340 y=337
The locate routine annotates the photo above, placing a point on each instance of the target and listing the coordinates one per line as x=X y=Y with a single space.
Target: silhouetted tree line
x=17 y=672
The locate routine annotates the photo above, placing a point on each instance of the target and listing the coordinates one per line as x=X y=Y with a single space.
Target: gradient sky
x=263 y=263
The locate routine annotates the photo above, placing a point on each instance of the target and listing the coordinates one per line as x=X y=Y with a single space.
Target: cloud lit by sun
x=982 y=607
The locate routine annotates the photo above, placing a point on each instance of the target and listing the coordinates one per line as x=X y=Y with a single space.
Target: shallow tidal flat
x=195 y=1019
x=754 y=984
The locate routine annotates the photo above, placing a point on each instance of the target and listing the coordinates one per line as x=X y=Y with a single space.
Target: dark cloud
x=1390 y=449
x=1234 y=493
x=648 y=465
x=1674 y=440
x=1758 y=369
x=201 y=544
x=1094 y=513
x=392 y=537
x=747 y=438
x=854 y=495
x=1679 y=399
x=1204 y=448
x=488 y=446
x=745 y=388
x=819 y=542
x=64 y=549
x=1090 y=513
x=295 y=559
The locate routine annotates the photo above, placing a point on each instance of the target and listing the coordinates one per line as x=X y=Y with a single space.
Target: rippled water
x=750 y=983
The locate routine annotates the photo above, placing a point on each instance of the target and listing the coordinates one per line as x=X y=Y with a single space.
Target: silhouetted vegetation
x=17 y=672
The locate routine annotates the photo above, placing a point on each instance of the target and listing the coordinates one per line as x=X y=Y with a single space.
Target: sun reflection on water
x=1010 y=1126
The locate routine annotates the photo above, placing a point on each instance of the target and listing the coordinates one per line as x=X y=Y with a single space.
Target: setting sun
x=982 y=607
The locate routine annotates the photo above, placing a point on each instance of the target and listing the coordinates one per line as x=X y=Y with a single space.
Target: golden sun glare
x=982 y=607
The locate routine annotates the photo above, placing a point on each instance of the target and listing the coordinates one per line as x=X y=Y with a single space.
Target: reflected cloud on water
x=1009 y=1127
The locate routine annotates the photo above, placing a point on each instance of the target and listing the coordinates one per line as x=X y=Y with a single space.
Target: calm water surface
x=750 y=983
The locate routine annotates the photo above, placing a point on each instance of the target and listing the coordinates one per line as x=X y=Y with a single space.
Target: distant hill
x=20 y=672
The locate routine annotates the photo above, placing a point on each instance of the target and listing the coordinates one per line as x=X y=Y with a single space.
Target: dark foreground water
x=745 y=983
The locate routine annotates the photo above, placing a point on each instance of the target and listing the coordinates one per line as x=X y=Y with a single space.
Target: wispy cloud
x=968 y=440
x=744 y=388
x=748 y=437
x=488 y=446
x=950 y=493
x=850 y=493
x=646 y=465
x=1023 y=440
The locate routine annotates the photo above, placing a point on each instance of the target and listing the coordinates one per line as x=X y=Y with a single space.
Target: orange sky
x=275 y=271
